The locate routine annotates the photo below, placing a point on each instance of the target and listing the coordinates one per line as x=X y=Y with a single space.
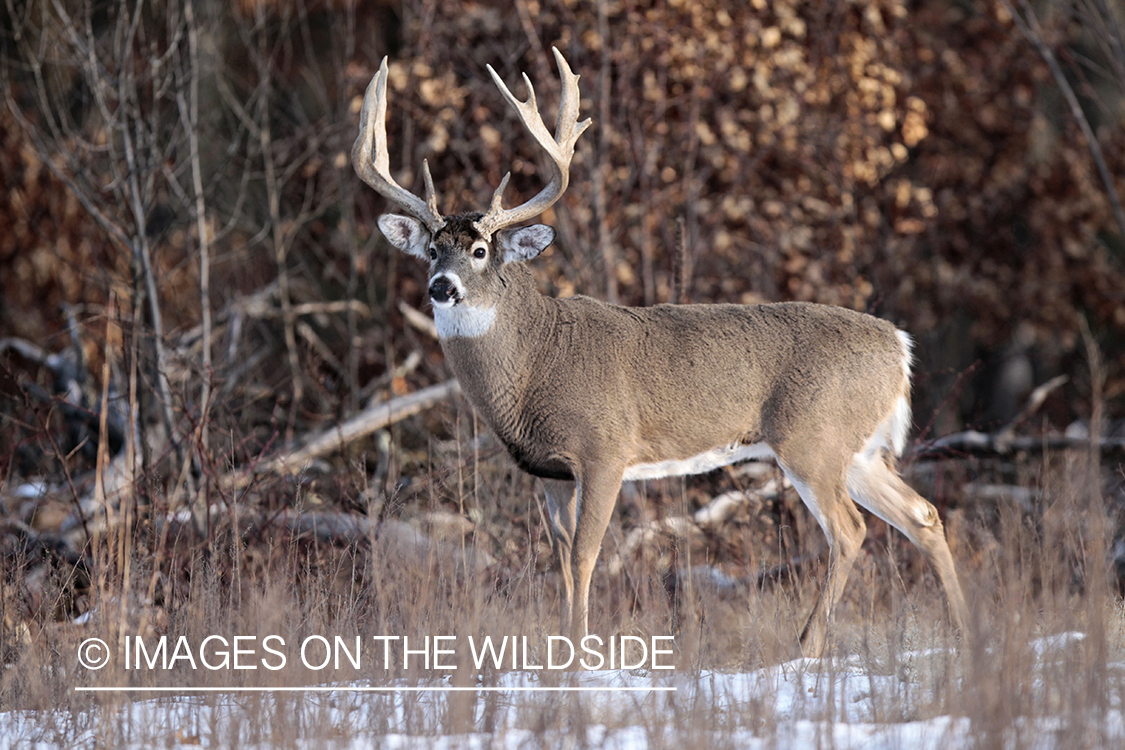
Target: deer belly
x=724 y=455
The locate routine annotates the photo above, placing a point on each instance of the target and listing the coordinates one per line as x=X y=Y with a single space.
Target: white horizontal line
x=322 y=689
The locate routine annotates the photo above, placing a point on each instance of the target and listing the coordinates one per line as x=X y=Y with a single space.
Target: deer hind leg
x=597 y=494
x=562 y=501
x=822 y=490
x=877 y=486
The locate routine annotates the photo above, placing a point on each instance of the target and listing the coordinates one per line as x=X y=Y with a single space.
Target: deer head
x=467 y=251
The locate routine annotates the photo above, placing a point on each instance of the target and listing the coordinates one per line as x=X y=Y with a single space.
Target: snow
x=800 y=704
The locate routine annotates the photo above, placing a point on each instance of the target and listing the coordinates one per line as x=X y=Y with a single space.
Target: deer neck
x=496 y=352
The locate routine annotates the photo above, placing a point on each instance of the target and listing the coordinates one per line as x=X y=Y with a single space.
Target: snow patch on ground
x=804 y=703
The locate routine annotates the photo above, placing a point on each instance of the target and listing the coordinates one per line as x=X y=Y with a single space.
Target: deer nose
x=443 y=290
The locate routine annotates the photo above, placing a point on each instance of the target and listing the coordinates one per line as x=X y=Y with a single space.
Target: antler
x=376 y=171
x=560 y=148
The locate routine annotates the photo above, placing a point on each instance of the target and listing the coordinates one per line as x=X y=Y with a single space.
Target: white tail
x=585 y=394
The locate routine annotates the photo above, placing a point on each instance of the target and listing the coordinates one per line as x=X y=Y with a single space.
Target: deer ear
x=405 y=233
x=524 y=243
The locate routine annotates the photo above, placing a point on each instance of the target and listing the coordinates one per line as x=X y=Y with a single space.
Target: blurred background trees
x=177 y=199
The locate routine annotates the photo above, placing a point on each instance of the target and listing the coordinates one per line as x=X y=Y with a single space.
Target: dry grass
x=1030 y=572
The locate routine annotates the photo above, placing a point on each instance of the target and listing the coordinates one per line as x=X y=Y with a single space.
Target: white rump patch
x=898 y=425
x=891 y=434
x=465 y=321
x=907 y=351
x=704 y=462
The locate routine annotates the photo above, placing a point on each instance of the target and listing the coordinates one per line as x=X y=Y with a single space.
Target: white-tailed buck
x=587 y=394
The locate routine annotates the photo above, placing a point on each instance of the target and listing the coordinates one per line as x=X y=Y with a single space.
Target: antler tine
x=560 y=147
x=375 y=171
x=568 y=104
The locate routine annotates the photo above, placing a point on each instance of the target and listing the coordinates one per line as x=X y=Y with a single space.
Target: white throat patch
x=461 y=320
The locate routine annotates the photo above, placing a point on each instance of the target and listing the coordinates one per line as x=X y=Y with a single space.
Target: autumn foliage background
x=911 y=159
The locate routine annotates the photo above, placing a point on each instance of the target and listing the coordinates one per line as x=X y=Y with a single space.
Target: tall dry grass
x=1031 y=572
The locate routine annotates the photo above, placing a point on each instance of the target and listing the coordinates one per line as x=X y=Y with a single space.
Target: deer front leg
x=561 y=507
x=596 y=495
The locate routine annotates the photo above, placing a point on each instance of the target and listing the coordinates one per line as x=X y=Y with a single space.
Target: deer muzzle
x=444 y=291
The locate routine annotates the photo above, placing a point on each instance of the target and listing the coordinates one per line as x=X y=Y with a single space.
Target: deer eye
x=433 y=254
x=479 y=252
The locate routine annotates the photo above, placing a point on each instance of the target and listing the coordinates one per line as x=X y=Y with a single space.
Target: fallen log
x=373 y=418
x=974 y=443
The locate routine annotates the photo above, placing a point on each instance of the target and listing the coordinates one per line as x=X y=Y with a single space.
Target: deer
x=586 y=395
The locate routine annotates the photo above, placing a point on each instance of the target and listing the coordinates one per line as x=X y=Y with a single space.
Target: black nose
x=442 y=289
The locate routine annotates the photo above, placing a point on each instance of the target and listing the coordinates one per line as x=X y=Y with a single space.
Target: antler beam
x=560 y=147
x=375 y=171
